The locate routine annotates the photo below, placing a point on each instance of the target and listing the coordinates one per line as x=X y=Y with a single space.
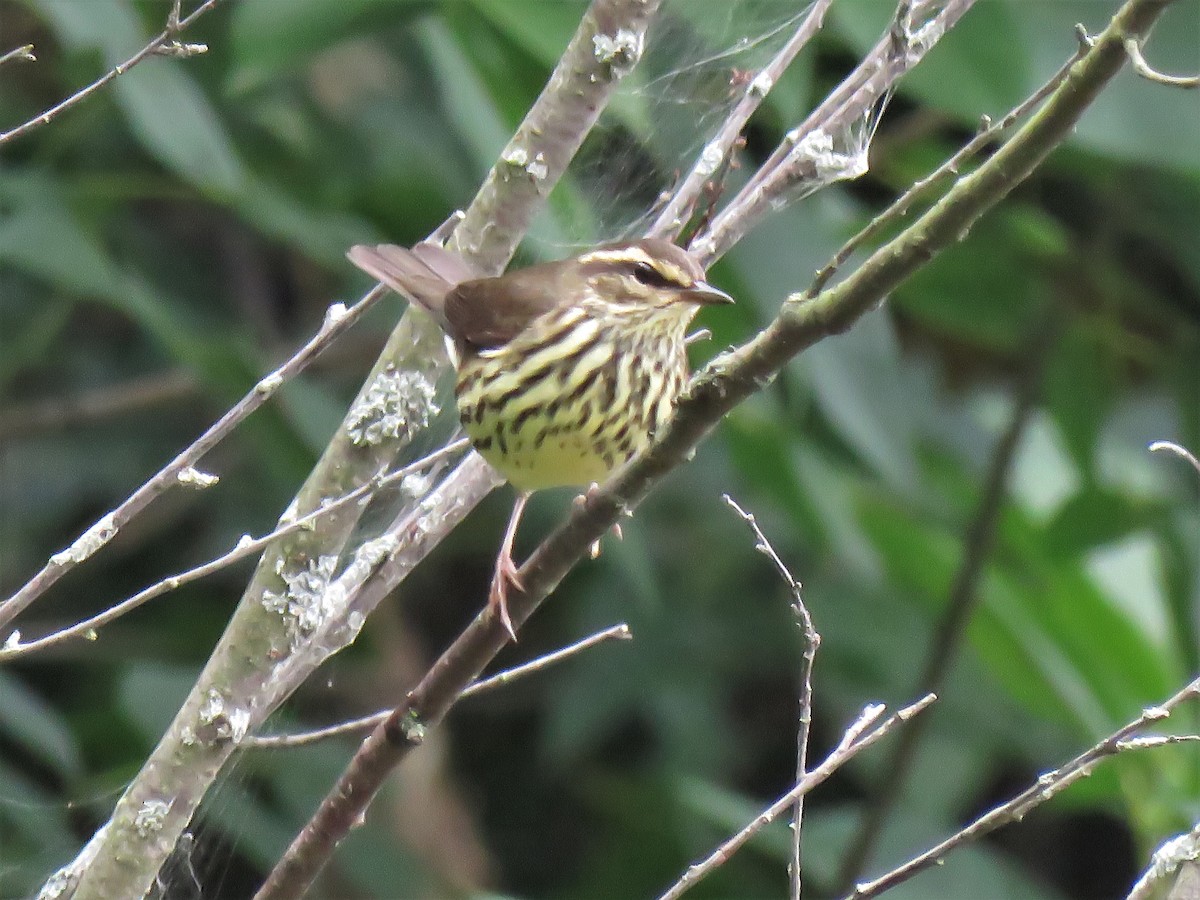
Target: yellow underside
x=561 y=461
x=569 y=426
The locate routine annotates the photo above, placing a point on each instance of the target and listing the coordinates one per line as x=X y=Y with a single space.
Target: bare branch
x=1182 y=452
x=858 y=737
x=1150 y=741
x=14 y=648
x=1134 y=48
x=812 y=640
x=500 y=679
x=156 y=46
x=337 y=320
x=1047 y=786
x=19 y=54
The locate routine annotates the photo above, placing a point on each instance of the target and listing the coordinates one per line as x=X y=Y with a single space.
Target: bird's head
x=648 y=278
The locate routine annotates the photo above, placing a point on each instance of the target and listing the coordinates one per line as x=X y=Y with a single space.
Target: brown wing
x=423 y=274
x=488 y=312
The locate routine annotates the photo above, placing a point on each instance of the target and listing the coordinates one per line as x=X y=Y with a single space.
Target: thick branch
x=1171 y=862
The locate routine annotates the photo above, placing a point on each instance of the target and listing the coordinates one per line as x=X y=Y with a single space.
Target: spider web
x=697 y=62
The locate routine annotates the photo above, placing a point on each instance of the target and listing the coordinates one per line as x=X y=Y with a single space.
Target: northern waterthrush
x=565 y=369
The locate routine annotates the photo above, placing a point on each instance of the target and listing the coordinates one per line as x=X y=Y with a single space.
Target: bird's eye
x=648 y=275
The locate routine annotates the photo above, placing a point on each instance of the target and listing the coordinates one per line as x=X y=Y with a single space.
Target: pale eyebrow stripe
x=635 y=253
x=668 y=270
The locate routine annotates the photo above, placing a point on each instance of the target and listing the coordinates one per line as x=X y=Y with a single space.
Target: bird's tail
x=424 y=274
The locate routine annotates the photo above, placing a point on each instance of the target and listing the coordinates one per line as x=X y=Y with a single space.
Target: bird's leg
x=592 y=491
x=506 y=569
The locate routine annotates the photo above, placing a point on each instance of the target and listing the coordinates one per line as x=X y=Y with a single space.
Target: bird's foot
x=592 y=491
x=506 y=574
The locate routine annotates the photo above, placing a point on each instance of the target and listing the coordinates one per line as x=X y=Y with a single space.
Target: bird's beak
x=705 y=294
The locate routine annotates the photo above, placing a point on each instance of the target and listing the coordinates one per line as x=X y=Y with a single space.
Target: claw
x=506 y=571
x=592 y=490
x=506 y=574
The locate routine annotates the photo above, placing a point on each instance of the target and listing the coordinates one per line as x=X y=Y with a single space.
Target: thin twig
x=1150 y=741
x=164 y=38
x=1182 y=452
x=812 y=640
x=671 y=219
x=500 y=679
x=961 y=602
x=858 y=737
x=337 y=320
x=13 y=647
x=951 y=168
x=1134 y=48
x=616 y=632
x=1046 y=786
x=22 y=54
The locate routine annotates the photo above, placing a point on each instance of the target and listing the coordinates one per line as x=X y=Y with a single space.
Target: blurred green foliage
x=167 y=241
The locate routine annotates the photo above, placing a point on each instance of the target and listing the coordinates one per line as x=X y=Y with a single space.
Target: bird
x=565 y=370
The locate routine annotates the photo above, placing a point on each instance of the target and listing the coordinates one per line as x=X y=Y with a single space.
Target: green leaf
x=150 y=694
x=173 y=119
x=478 y=120
x=321 y=234
x=35 y=725
x=970 y=73
x=542 y=31
x=1080 y=388
x=983 y=292
x=38 y=837
x=269 y=37
x=872 y=397
x=1094 y=517
x=39 y=235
